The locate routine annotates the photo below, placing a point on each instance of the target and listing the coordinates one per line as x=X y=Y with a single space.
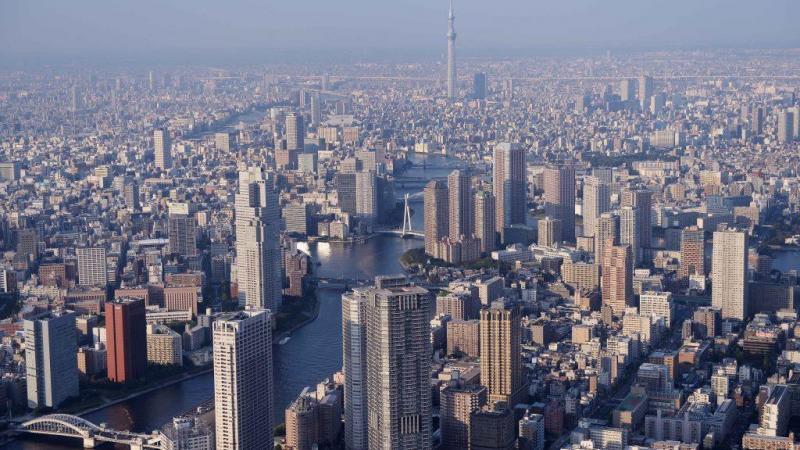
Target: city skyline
x=344 y=226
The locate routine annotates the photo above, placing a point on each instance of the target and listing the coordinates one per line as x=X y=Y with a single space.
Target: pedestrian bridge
x=65 y=425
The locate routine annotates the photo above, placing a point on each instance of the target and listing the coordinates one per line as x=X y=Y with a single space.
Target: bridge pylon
x=406 y=217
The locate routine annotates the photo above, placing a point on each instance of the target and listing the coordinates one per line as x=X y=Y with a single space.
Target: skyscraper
x=303 y=98
x=627 y=89
x=643 y=200
x=757 y=120
x=436 y=215
x=629 y=230
x=479 y=86
x=509 y=185
x=398 y=366
x=92 y=266
x=508 y=91
x=452 y=79
x=181 y=230
x=131 y=194
x=606 y=233
x=346 y=191
x=485 y=221
x=729 y=274
x=596 y=201
x=243 y=396
x=559 y=194
x=459 y=187
x=258 y=253
x=126 y=339
x=645 y=91
x=50 y=362
x=258 y=269
x=693 y=259
x=295 y=132
x=366 y=195
x=163 y=149
x=316 y=111
x=354 y=366
x=617 y=278
x=75 y=99
x=785 y=126
x=501 y=357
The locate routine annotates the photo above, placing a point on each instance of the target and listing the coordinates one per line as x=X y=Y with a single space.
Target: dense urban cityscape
x=576 y=252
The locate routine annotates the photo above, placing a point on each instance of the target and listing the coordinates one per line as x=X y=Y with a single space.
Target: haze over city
x=366 y=225
x=253 y=31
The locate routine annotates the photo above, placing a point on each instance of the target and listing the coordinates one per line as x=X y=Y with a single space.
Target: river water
x=312 y=354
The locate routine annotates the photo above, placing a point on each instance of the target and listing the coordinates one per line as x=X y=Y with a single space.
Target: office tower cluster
x=387 y=350
x=459 y=222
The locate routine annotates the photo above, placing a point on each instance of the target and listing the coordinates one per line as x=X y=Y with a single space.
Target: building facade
x=258 y=252
x=596 y=201
x=50 y=362
x=729 y=274
x=243 y=387
x=354 y=366
x=398 y=366
x=436 y=199
x=501 y=357
x=126 y=339
x=559 y=197
x=509 y=185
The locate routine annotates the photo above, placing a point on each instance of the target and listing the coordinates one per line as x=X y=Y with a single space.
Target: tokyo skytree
x=452 y=86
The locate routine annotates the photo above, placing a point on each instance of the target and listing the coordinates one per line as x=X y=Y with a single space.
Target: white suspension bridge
x=406 y=231
x=68 y=426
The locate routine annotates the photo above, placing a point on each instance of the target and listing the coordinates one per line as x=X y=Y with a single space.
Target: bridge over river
x=68 y=426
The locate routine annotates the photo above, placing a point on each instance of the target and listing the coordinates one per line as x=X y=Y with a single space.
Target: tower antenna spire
x=452 y=88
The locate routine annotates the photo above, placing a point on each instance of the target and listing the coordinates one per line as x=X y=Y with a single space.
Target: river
x=312 y=354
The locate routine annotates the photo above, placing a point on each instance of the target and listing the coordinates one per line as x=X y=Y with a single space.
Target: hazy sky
x=162 y=27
